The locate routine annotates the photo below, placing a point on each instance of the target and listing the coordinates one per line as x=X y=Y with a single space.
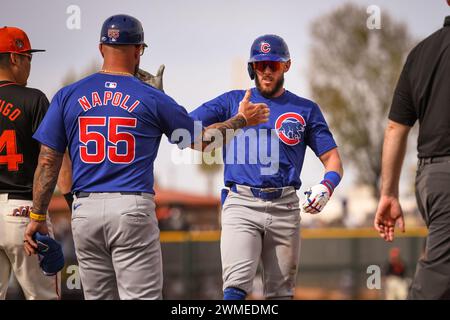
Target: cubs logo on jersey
x=290 y=128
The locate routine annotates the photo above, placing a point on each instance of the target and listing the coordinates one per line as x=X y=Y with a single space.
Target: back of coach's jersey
x=112 y=125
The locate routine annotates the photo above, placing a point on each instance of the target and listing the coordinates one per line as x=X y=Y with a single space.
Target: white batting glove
x=316 y=199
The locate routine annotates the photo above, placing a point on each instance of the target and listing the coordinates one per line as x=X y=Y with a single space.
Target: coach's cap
x=15 y=40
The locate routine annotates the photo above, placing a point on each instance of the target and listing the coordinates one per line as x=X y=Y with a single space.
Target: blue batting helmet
x=268 y=47
x=122 y=29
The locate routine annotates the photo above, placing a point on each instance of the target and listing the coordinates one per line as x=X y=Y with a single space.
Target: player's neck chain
x=117 y=72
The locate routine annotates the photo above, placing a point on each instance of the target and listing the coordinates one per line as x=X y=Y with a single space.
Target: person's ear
x=287 y=66
x=137 y=52
x=14 y=59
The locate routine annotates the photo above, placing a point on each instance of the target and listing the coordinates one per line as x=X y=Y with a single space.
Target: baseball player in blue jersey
x=261 y=211
x=112 y=124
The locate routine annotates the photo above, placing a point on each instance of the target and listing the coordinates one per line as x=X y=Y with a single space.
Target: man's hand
x=316 y=199
x=254 y=113
x=388 y=213
x=154 y=81
x=23 y=211
x=29 y=244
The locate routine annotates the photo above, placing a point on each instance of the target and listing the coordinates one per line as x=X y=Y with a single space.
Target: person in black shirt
x=21 y=111
x=422 y=93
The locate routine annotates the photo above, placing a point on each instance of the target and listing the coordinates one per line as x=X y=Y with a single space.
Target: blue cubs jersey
x=294 y=124
x=112 y=125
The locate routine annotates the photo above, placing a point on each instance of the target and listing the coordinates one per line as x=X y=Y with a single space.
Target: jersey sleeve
x=51 y=132
x=213 y=111
x=318 y=135
x=402 y=109
x=176 y=123
x=39 y=111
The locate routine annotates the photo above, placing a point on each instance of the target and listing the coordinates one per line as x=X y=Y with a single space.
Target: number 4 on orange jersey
x=12 y=158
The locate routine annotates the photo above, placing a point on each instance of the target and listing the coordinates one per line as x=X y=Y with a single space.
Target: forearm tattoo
x=223 y=130
x=45 y=178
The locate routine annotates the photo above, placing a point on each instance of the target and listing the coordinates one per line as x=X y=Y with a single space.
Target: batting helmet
x=122 y=29
x=268 y=47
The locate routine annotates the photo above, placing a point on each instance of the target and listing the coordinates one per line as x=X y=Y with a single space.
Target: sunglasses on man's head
x=262 y=65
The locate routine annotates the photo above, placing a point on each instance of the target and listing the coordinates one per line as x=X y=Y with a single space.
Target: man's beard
x=269 y=93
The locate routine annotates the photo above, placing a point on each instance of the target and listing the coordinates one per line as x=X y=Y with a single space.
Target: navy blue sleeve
x=318 y=135
x=213 y=111
x=176 y=123
x=51 y=132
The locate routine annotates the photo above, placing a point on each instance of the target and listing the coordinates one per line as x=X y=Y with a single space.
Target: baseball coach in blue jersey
x=261 y=211
x=112 y=124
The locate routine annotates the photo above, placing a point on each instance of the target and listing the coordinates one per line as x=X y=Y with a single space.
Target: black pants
x=432 y=278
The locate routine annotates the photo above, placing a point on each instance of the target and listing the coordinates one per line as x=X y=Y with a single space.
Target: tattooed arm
x=220 y=133
x=45 y=178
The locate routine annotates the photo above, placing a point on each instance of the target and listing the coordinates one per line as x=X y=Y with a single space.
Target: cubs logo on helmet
x=265 y=47
x=290 y=128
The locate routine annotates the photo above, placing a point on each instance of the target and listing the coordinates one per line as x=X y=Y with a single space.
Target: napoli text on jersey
x=114 y=124
x=294 y=124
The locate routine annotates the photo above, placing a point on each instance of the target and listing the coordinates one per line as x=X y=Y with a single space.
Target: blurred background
x=346 y=55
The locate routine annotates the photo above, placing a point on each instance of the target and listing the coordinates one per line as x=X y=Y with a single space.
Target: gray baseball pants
x=117 y=244
x=255 y=230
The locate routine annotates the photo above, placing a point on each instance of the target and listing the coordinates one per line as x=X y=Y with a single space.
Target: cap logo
x=19 y=44
x=265 y=47
x=113 y=34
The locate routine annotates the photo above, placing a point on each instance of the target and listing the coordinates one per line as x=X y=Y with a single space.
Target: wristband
x=38 y=216
x=331 y=180
x=69 y=199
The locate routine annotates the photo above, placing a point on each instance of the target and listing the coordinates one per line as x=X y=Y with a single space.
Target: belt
x=261 y=193
x=81 y=194
x=424 y=161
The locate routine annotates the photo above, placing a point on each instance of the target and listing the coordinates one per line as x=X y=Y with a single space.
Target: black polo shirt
x=21 y=111
x=423 y=93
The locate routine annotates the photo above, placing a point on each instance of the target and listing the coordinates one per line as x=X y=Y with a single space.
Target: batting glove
x=51 y=257
x=316 y=199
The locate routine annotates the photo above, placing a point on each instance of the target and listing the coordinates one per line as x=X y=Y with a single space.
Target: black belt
x=263 y=193
x=81 y=194
x=424 y=161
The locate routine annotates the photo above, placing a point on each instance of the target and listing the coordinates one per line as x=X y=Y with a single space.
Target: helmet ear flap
x=251 y=71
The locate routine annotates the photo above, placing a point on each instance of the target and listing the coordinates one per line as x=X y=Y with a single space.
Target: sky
x=204 y=45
